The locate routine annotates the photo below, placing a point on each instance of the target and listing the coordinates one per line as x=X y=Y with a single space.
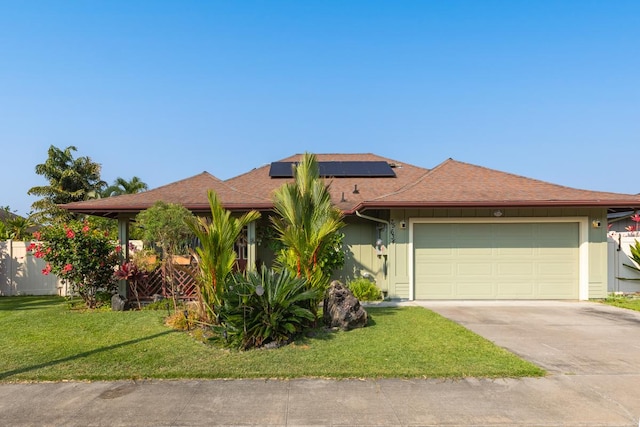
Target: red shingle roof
x=454 y=183
x=451 y=183
x=190 y=192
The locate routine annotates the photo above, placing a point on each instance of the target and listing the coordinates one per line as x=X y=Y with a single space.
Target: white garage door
x=496 y=260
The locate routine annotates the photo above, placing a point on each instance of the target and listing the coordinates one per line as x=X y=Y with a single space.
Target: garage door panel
x=515 y=269
x=432 y=269
x=476 y=289
x=555 y=290
x=516 y=290
x=496 y=261
x=514 y=252
x=473 y=251
x=556 y=269
x=436 y=290
x=473 y=270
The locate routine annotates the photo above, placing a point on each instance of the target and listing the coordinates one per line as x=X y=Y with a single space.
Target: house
x=457 y=231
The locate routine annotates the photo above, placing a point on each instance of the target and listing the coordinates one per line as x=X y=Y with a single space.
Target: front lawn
x=43 y=340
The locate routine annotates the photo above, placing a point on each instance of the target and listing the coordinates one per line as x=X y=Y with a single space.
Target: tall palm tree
x=216 y=255
x=70 y=180
x=122 y=186
x=306 y=221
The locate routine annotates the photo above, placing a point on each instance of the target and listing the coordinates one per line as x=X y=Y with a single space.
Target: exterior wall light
x=497 y=213
x=380 y=248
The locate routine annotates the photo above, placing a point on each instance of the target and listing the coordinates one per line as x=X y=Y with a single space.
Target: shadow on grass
x=28 y=303
x=4 y=375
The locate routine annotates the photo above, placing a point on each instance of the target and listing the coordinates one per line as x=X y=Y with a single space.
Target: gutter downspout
x=388 y=231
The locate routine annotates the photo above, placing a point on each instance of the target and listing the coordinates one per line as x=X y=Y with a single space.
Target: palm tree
x=122 y=186
x=306 y=222
x=216 y=255
x=70 y=180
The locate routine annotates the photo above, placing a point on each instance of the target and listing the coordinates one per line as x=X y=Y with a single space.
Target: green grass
x=42 y=340
x=631 y=302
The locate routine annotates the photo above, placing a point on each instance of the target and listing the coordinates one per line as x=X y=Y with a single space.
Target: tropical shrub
x=307 y=223
x=135 y=271
x=165 y=226
x=84 y=256
x=14 y=226
x=265 y=307
x=364 y=289
x=216 y=256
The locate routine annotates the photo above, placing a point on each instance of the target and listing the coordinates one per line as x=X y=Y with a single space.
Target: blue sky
x=167 y=89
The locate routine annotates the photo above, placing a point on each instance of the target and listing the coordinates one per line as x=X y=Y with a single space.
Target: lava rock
x=342 y=309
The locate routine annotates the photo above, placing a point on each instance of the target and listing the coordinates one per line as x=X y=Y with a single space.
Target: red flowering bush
x=80 y=254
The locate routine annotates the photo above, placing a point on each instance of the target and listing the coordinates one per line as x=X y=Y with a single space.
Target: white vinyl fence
x=21 y=273
x=619 y=253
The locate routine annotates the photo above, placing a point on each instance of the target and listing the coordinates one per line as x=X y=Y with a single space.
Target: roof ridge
x=205 y=173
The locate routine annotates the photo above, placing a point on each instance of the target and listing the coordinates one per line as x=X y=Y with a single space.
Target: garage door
x=496 y=260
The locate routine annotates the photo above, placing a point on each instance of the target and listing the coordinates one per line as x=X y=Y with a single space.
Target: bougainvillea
x=82 y=255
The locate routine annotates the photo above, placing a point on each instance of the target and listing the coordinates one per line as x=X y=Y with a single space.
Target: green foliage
x=70 y=180
x=13 y=226
x=265 y=307
x=332 y=256
x=307 y=223
x=635 y=255
x=122 y=186
x=165 y=225
x=364 y=289
x=629 y=301
x=82 y=255
x=103 y=298
x=146 y=260
x=160 y=305
x=216 y=255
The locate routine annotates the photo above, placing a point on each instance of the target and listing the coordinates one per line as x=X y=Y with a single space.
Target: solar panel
x=281 y=170
x=352 y=169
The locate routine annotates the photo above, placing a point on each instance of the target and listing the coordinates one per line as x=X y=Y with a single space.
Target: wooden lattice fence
x=157 y=283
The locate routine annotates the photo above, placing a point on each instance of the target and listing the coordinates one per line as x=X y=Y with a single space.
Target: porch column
x=123 y=238
x=251 y=246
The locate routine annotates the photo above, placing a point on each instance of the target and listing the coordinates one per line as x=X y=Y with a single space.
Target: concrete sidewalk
x=554 y=401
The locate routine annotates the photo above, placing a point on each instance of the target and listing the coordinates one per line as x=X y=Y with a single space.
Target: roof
x=450 y=184
x=190 y=192
x=459 y=184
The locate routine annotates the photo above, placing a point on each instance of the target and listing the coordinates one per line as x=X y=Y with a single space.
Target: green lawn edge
x=45 y=341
